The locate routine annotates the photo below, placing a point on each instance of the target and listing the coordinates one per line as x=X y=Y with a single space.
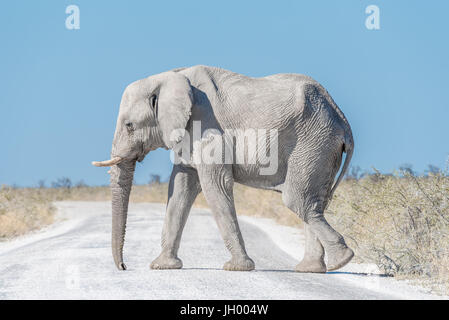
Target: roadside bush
x=400 y=222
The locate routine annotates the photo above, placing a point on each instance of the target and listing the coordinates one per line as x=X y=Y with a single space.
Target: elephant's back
x=313 y=105
x=280 y=101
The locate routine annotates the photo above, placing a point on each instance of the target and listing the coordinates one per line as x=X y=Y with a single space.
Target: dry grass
x=23 y=210
x=399 y=222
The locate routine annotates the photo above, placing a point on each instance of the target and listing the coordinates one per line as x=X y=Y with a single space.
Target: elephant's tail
x=348 y=148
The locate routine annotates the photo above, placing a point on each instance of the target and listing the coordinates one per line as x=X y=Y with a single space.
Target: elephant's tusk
x=107 y=163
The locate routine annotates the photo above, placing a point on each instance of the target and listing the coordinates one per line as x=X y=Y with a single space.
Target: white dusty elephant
x=308 y=134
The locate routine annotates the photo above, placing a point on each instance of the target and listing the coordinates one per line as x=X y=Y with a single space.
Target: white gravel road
x=72 y=260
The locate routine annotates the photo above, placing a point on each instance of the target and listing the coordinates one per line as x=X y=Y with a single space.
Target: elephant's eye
x=129 y=126
x=153 y=100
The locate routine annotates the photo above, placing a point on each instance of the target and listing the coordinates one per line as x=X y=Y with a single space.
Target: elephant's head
x=151 y=111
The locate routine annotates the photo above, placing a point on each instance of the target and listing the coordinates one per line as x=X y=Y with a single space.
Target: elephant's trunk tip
x=121 y=266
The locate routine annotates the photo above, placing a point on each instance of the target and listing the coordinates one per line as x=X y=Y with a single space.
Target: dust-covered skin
x=312 y=134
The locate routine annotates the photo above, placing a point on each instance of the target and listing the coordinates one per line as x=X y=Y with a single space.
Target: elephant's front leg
x=217 y=185
x=183 y=189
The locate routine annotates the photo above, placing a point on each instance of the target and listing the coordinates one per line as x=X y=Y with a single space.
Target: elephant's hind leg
x=319 y=235
x=338 y=253
x=313 y=260
x=306 y=193
x=217 y=185
x=183 y=189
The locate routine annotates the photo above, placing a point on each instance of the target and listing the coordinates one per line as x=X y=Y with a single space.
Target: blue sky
x=60 y=88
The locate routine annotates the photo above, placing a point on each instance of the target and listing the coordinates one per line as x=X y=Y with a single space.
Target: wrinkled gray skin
x=313 y=134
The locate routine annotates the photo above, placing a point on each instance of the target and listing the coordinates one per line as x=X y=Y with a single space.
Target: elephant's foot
x=311 y=266
x=338 y=257
x=239 y=264
x=166 y=262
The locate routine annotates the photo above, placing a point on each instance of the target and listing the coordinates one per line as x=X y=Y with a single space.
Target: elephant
x=312 y=134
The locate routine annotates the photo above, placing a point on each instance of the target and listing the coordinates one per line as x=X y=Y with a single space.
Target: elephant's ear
x=174 y=105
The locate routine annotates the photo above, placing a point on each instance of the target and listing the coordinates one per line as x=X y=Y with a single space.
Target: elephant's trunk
x=121 y=183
